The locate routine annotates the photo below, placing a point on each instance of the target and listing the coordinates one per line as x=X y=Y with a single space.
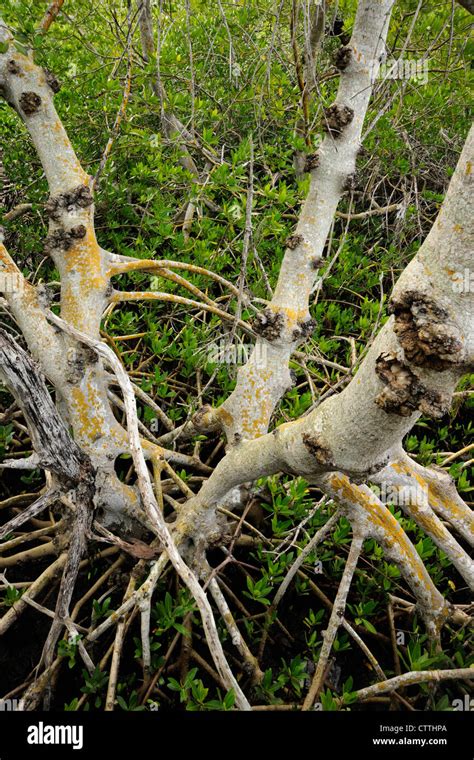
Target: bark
x=145 y=21
x=85 y=269
x=407 y=371
x=55 y=449
x=58 y=453
x=287 y=321
x=412 y=367
x=350 y=439
x=51 y=14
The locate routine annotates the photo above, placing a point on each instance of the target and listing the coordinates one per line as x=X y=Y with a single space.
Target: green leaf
x=21 y=48
x=229 y=700
x=368 y=625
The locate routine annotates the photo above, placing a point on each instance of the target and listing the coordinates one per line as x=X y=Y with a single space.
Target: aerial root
x=335 y=619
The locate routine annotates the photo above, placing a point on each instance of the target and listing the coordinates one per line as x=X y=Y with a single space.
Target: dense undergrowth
x=240 y=89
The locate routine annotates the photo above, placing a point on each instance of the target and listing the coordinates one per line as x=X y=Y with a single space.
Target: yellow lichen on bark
x=380 y=516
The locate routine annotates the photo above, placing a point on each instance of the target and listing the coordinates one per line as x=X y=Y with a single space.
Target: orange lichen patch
x=293 y=315
x=85 y=257
x=30 y=298
x=83 y=275
x=468 y=168
x=253 y=426
x=152 y=449
x=27 y=291
x=71 y=308
x=290 y=313
x=402 y=469
x=8 y=265
x=117 y=436
x=458 y=228
x=78 y=310
x=225 y=417
x=121 y=267
x=86 y=413
x=394 y=534
x=264 y=376
x=129 y=266
x=438 y=499
x=347 y=490
x=72 y=166
x=447 y=507
x=428 y=522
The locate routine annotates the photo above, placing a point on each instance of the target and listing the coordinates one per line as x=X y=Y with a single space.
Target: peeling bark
x=58 y=453
x=55 y=449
